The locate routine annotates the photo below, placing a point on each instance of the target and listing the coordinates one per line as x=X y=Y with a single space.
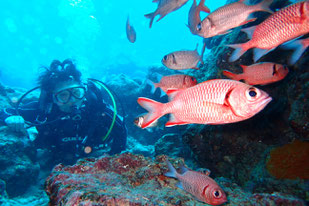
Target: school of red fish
x=222 y=101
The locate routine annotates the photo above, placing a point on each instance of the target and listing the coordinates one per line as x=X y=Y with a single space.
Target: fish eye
x=199 y=27
x=217 y=194
x=252 y=93
x=165 y=58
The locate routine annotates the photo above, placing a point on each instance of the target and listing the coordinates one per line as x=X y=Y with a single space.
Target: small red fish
x=180 y=60
x=165 y=7
x=227 y=17
x=282 y=26
x=200 y=185
x=218 y=101
x=177 y=81
x=299 y=46
x=194 y=17
x=261 y=73
x=131 y=34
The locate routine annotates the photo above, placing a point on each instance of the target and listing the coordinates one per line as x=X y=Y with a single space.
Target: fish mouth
x=265 y=102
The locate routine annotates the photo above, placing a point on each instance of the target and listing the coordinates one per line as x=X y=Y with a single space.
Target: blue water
x=35 y=32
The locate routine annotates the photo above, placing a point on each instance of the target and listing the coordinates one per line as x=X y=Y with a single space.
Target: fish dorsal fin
x=244 y=68
x=204 y=171
x=202 y=6
x=183 y=169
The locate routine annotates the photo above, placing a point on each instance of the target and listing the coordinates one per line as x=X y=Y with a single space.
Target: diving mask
x=64 y=96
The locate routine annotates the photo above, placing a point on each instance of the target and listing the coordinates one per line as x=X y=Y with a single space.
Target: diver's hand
x=32 y=133
x=16 y=123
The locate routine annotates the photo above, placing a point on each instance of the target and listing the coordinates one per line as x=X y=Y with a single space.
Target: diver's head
x=62 y=81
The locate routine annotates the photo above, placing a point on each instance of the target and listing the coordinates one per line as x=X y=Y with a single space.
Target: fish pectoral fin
x=174 y=121
x=183 y=169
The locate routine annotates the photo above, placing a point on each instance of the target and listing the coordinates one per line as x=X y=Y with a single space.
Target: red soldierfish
x=200 y=185
x=218 y=101
x=165 y=7
x=131 y=34
x=180 y=60
x=228 y=17
x=194 y=17
x=261 y=73
x=177 y=81
x=282 y=26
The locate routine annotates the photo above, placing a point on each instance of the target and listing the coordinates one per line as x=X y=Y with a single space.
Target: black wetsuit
x=70 y=134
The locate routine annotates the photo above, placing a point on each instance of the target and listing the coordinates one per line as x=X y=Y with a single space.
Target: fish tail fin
x=203 y=7
x=240 y=49
x=155 y=110
x=264 y=6
x=298 y=48
x=231 y=75
x=150 y=16
x=171 y=170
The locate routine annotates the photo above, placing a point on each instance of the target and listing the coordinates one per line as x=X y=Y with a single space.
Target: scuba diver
x=71 y=119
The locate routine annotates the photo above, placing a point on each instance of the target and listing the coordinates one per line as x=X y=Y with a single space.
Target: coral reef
x=17 y=166
x=290 y=161
x=128 y=179
x=171 y=144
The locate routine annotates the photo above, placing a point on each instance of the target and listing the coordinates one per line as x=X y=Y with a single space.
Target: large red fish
x=194 y=17
x=131 y=34
x=228 y=17
x=261 y=73
x=164 y=7
x=282 y=26
x=217 y=101
x=200 y=185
